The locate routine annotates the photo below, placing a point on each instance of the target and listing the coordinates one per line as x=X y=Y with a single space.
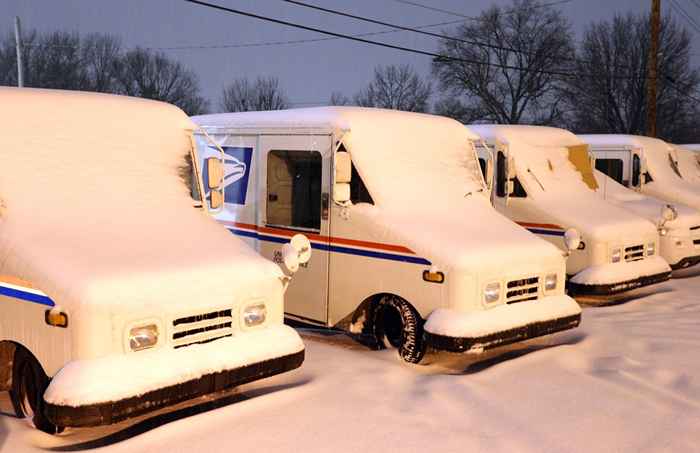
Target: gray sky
x=308 y=72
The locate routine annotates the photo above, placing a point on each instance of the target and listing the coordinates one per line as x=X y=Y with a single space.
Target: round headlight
x=492 y=292
x=143 y=337
x=550 y=282
x=663 y=231
x=616 y=255
x=254 y=315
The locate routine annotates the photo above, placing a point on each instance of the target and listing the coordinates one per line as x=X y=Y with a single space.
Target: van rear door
x=296 y=175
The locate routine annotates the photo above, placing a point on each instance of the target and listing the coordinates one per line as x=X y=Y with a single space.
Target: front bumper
x=615 y=289
x=75 y=399
x=606 y=280
x=686 y=263
x=452 y=331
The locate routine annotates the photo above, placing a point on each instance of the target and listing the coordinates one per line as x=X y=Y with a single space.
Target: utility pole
x=653 y=66
x=18 y=46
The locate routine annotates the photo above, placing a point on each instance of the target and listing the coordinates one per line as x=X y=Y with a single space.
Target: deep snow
x=626 y=380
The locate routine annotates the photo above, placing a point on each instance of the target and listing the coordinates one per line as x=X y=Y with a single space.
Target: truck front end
x=506 y=302
x=129 y=362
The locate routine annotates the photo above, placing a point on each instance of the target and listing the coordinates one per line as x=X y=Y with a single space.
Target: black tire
x=397 y=324
x=29 y=382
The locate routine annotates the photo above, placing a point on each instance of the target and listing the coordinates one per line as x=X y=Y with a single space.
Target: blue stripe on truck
x=24 y=295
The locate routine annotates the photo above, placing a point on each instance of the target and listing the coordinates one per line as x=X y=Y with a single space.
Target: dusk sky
x=308 y=72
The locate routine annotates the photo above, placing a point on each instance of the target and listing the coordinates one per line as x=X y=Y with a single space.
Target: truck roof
x=535 y=136
x=95 y=208
x=337 y=118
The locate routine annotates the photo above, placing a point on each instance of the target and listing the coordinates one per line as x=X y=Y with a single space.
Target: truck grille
x=522 y=290
x=634 y=253
x=202 y=328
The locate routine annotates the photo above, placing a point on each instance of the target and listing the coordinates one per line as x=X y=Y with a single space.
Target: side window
x=611 y=167
x=518 y=189
x=636 y=169
x=294 y=189
x=358 y=190
x=482 y=164
x=501 y=174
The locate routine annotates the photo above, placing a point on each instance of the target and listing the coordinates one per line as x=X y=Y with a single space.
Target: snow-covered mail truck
x=647 y=165
x=117 y=297
x=678 y=225
x=409 y=252
x=544 y=181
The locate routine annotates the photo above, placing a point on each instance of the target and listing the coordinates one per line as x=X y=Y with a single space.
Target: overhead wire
x=557 y=72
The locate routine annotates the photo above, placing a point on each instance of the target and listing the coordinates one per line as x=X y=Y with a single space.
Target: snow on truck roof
x=531 y=135
x=424 y=177
x=94 y=208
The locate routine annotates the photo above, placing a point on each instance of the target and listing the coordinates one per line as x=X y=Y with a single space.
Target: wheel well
x=365 y=312
x=7 y=354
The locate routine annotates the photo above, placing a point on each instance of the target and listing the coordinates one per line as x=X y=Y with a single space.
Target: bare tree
x=338 y=98
x=100 y=55
x=396 y=87
x=241 y=95
x=508 y=79
x=608 y=93
x=153 y=75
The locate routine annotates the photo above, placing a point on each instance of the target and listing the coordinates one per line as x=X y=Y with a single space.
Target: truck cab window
x=294 y=189
x=358 y=190
x=482 y=165
x=613 y=168
x=501 y=174
x=518 y=189
x=636 y=170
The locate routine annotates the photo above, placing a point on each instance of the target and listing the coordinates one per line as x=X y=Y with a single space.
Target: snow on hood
x=666 y=184
x=688 y=164
x=423 y=174
x=543 y=165
x=645 y=206
x=95 y=211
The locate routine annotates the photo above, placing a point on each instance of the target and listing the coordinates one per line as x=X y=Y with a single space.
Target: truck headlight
x=254 y=315
x=492 y=292
x=651 y=249
x=550 y=282
x=143 y=337
x=616 y=255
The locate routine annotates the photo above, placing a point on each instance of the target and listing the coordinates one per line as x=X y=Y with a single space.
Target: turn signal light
x=56 y=318
x=434 y=277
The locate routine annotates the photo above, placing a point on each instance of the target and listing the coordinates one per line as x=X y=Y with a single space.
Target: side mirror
x=215 y=173
x=572 y=239
x=511 y=172
x=216 y=198
x=295 y=253
x=343 y=175
x=669 y=213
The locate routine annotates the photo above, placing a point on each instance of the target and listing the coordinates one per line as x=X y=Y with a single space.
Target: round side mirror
x=303 y=247
x=290 y=258
x=669 y=213
x=572 y=239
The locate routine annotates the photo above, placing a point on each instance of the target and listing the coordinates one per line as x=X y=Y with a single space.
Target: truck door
x=296 y=179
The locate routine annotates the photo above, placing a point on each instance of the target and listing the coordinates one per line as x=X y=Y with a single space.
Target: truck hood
x=470 y=237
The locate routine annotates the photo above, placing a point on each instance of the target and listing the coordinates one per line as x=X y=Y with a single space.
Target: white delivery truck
x=678 y=225
x=647 y=165
x=409 y=252
x=117 y=297
x=543 y=180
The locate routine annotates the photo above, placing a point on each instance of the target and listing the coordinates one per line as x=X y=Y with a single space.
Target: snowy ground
x=627 y=380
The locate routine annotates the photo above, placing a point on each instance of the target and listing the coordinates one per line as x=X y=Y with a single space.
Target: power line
x=684 y=14
x=556 y=72
x=260 y=44
x=402 y=27
x=452 y=13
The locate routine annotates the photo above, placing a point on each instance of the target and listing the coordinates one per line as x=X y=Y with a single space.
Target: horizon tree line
x=524 y=68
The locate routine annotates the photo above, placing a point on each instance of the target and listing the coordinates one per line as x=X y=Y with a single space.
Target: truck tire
x=29 y=382
x=397 y=324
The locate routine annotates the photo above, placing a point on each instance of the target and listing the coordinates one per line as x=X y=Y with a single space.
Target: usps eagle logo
x=237 y=162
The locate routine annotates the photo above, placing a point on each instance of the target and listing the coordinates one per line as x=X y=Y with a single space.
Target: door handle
x=324 y=206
